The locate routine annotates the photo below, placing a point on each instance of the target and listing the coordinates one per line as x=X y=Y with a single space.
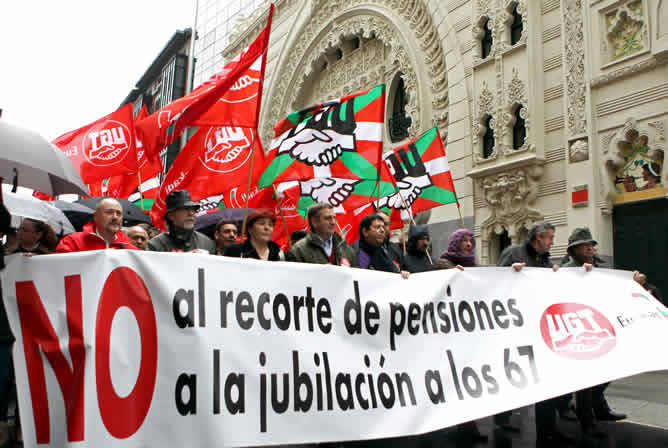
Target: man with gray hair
x=535 y=253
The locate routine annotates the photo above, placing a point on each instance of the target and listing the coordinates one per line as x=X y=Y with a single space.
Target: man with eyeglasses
x=182 y=236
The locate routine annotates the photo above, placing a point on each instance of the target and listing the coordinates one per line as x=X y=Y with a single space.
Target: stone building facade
x=550 y=109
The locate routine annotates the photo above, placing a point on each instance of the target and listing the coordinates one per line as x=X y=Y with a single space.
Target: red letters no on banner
x=121 y=416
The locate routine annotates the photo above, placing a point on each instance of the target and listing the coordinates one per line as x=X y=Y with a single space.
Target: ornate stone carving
x=578 y=151
x=333 y=20
x=486 y=107
x=626 y=30
x=517 y=96
x=575 y=68
x=499 y=14
x=509 y=196
x=613 y=145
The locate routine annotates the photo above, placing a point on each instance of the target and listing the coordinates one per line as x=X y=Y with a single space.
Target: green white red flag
x=422 y=175
x=340 y=139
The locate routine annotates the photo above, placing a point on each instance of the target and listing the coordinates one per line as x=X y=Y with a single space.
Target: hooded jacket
x=88 y=239
x=415 y=260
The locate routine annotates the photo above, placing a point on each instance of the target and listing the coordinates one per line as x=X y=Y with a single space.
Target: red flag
x=103 y=148
x=164 y=126
x=288 y=216
x=214 y=160
x=124 y=185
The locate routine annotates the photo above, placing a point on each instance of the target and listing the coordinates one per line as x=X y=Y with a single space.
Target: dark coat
x=309 y=250
x=166 y=242
x=415 y=260
x=376 y=258
x=247 y=250
x=524 y=253
x=5 y=333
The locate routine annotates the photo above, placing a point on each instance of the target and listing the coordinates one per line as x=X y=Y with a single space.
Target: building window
x=356 y=43
x=516 y=27
x=519 y=129
x=488 y=139
x=339 y=54
x=399 y=121
x=487 y=40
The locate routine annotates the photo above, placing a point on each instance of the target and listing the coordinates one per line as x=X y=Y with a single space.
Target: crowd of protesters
x=322 y=244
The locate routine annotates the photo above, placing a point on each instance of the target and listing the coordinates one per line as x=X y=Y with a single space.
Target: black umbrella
x=206 y=223
x=79 y=215
x=33 y=162
x=131 y=213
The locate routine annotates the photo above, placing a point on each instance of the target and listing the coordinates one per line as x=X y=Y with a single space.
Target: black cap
x=179 y=199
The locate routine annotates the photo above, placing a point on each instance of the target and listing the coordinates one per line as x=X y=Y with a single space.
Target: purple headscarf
x=454 y=252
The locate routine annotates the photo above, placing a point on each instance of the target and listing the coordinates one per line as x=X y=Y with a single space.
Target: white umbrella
x=39 y=164
x=21 y=207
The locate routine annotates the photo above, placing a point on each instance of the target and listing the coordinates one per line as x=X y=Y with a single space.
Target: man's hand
x=405 y=274
x=518 y=266
x=640 y=278
x=459 y=267
x=588 y=267
x=555 y=268
x=328 y=190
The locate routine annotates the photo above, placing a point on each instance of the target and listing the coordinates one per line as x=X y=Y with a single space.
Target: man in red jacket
x=103 y=233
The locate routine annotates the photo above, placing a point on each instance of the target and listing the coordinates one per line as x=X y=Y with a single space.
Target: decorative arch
x=509 y=196
x=613 y=146
x=405 y=30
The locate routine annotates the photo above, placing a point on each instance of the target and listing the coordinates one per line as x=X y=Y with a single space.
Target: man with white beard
x=180 y=219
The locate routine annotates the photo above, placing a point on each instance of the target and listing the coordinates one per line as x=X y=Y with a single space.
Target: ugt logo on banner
x=122 y=416
x=577 y=331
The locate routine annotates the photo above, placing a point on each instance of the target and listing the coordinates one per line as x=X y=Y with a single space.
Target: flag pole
x=250 y=174
x=190 y=65
x=141 y=195
x=410 y=215
x=280 y=211
x=461 y=218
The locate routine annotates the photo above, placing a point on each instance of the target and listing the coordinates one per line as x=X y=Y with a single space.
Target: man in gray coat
x=182 y=236
x=535 y=252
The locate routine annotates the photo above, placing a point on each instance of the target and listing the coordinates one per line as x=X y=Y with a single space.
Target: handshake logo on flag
x=322 y=139
x=107 y=146
x=411 y=176
x=227 y=148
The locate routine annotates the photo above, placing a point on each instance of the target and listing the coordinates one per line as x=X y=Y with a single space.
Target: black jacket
x=247 y=250
x=6 y=336
x=524 y=253
x=376 y=258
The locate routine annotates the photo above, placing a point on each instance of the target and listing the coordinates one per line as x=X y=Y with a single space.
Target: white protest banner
x=136 y=349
